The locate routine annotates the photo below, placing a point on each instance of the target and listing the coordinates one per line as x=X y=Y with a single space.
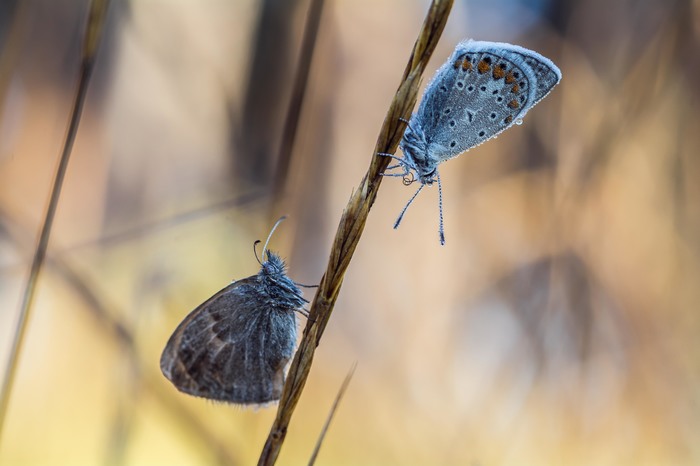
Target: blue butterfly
x=483 y=89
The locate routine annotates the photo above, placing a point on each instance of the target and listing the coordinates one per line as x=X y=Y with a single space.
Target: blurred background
x=559 y=324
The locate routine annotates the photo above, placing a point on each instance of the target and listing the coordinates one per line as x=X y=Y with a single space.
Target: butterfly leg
x=306 y=313
x=398 y=220
x=408 y=123
x=402 y=162
x=441 y=230
x=305 y=286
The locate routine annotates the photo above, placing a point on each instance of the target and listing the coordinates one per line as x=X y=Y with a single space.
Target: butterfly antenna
x=398 y=220
x=441 y=231
x=270 y=235
x=255 y=250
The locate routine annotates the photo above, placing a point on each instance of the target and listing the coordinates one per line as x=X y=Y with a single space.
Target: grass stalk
x=93 y=33
x=352 y=224
x=334 y=408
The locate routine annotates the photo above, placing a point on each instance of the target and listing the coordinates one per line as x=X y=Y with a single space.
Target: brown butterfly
x=236 y=345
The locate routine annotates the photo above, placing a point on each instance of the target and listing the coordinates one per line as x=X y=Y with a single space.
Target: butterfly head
x=280 y=291
x=273 y=265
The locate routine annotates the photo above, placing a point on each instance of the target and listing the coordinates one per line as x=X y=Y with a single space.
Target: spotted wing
x=231 y=348
x=546 y=73
x=479 y=92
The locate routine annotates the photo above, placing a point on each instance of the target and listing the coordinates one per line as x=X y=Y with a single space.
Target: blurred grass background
x=557 y=326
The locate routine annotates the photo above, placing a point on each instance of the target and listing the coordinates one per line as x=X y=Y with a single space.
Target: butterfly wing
x=232 y=348
x=545 y=72
x=480 y=91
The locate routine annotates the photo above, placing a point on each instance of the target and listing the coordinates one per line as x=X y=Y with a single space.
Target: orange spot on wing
x=510 y=79
x=514 y=104
x=483 y=67
x=498 y=72
x=508 y=119
x=456 y=64
x=467 y=65
x=515 y=89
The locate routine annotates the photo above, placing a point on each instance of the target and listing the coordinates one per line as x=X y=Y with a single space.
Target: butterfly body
x=235 y=346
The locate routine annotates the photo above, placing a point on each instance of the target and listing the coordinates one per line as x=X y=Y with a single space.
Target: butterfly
x=483 y=89
x=236 y=345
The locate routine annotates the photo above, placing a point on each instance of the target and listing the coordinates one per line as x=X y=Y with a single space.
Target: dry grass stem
x=334 y=408
x=301 y=79
x=352 y=224
x=95 y=26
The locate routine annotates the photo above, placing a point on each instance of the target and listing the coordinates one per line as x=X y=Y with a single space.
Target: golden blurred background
x=558 y=326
